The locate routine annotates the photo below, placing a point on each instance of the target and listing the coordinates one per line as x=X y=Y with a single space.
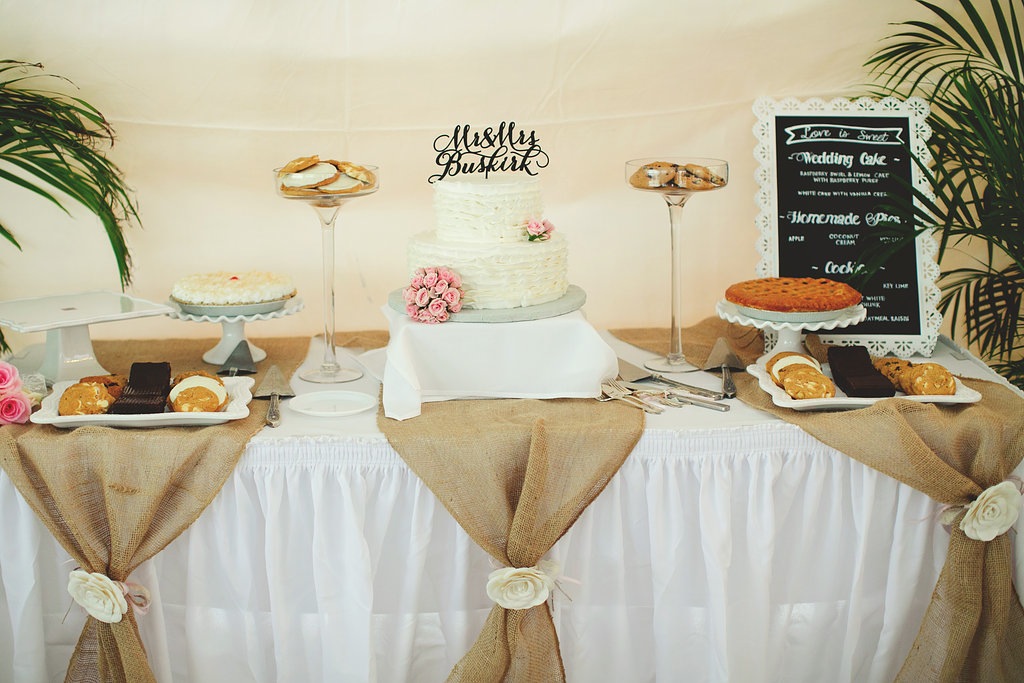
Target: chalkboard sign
x=828 y=171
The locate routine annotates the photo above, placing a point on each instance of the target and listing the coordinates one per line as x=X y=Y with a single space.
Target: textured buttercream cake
x=481 y=233
x=232 y=288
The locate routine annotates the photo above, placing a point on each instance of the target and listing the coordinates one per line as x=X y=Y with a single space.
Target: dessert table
x=728 y=547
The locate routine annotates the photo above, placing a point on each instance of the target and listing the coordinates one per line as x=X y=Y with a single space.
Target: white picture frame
x=911 y=330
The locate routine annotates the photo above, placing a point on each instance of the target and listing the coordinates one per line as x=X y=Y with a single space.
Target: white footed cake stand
x=789 y=328
x=65 y=318
x=232 y=321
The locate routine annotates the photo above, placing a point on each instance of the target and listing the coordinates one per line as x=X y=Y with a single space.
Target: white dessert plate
x=572 y=300
x=333 y=403
x=234 y=309
x=841 y=401
x=239 y=393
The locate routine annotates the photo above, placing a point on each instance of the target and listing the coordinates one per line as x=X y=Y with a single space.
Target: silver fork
x=614 y=390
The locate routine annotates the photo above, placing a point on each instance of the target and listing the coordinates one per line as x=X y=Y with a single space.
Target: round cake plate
x=232 y=323
x=231 y=310
x=572 y=300
x=789 y=328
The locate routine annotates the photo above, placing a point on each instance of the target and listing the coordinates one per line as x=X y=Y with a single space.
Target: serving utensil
x=239 y=361
x=722 y=358
x=275 y=387
x=634 y=373
x=615 y=391
x=674 y=399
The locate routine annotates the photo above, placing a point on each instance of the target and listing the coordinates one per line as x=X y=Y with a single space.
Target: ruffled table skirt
x=749 y=553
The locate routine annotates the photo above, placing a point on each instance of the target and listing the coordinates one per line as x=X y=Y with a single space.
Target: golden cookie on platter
x=893 y=369
x=114 y=383
x=85 y=398
x=803 y=382
x=928 y=379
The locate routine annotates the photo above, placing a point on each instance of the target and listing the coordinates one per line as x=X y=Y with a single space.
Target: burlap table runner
x=515 y=474
x=113 y=498
x=973 y=629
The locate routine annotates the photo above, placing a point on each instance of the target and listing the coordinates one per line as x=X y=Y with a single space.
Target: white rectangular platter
x=239 y=395
x=841 y=401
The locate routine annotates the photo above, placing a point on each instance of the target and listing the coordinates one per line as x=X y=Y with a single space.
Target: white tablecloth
x=729 y=547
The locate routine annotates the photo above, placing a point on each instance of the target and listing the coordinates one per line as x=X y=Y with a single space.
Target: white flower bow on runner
x=104 y=598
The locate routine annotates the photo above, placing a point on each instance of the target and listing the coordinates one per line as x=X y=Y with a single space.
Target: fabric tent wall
x=207 y=98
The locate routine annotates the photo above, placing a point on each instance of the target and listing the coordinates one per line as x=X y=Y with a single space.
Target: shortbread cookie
x=113 y=383
x=85 y=398
x=793 y=294
x=928 y=379
x=804 y=382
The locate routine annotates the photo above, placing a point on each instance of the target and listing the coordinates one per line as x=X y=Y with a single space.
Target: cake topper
x=494 y=149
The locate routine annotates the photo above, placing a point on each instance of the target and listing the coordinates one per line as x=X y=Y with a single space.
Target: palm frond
x=52 y=145
x=57 y=142
x=972 y=74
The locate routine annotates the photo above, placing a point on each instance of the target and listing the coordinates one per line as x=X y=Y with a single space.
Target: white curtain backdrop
x=206 y=98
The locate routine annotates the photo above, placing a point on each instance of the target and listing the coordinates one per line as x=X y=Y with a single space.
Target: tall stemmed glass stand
x=327 y=207
x=676 y=179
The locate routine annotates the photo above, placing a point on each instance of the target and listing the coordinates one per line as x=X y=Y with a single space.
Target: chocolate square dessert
x=855 y=375
x=146 y=391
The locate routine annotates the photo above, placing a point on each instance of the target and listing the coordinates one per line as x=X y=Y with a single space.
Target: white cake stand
x=789 y=328
x=66 y=318
x=233 y=327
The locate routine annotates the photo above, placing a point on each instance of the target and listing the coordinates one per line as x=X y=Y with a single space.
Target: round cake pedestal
x=572 y=300
x=788 y=329
x=233 y=329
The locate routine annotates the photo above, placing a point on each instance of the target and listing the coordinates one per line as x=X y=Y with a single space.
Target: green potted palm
x=52 y=144
x=969 y=66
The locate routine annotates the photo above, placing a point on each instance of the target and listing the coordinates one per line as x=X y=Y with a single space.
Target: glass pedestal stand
x=327 y=206
x=676 y=179
x=330 y=371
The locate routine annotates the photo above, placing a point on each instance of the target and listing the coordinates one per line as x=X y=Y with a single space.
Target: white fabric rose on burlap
x=101 y=597
x=522 y=587
x=993 y=512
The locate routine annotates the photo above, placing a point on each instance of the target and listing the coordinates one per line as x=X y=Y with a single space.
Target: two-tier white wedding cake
x=483 y=232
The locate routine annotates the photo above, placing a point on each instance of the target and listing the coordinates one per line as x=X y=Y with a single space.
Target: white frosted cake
x=231 y=288
x=481 y=233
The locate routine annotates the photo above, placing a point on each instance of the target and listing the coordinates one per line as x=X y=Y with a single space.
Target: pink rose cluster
x=15 y=404
x=433 y=294
x=539 y=230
